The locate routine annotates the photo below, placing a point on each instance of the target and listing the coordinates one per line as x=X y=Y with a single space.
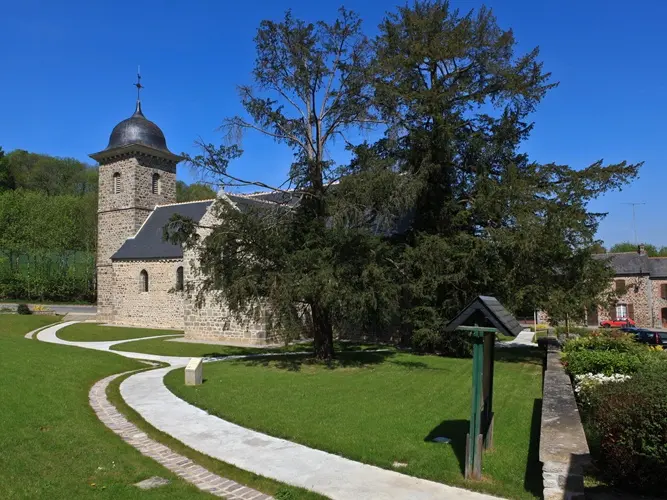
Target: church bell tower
x=136 y=172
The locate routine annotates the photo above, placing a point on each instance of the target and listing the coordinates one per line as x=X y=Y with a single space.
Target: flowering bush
x=585 y=383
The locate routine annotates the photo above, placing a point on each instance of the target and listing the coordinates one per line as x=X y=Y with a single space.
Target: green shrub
x=627 y=422
x=619 y=342
x=606 y=361
x=539 y=327
x=573 y=330
x=23 y=309
x=454 y=344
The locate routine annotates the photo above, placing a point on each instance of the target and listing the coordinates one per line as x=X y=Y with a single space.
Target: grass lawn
x=89 y=332
x=255 y=481
x=380 y=408
x=51 y=444
x=163 y=347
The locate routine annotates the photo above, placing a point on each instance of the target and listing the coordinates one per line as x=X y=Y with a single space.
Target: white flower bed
x=583 y=384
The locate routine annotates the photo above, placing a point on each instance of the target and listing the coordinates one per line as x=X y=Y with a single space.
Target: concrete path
x=178 y=464
x=524 y=339
x=331 y=475
x=49 y=335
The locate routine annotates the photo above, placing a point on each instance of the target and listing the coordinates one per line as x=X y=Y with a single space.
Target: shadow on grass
x=532 y=480
x=530 y=355
x=456 y=430
x=296 y=362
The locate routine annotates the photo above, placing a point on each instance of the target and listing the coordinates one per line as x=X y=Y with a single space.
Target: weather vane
x=138 y=84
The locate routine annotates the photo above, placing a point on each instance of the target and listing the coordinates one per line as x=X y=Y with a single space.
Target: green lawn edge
x=250 y=479
x=53 y=445
x=532 y=470
x=94 y=332
x=165 y=347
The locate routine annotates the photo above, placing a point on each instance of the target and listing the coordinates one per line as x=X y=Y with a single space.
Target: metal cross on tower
x=138 y=84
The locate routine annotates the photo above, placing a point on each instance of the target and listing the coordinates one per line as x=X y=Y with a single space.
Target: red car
x=617 y=323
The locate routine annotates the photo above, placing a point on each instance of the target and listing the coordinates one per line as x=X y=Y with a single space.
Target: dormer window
x=115 y=185
x=156 y=185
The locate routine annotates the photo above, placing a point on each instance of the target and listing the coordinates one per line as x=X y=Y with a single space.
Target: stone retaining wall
x=563 y=447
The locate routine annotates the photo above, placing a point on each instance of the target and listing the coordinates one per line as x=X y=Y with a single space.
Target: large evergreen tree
x=487 y=219
x=296 y=263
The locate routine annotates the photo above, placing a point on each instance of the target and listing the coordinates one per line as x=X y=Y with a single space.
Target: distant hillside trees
x=48 y=226
x=193 y=192
x=651 y=250
x=48 y=216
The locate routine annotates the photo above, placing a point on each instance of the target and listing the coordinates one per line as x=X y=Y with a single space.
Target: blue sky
x=68 y=69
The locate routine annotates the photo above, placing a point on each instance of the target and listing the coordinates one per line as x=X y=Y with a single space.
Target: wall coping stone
x=563 y=447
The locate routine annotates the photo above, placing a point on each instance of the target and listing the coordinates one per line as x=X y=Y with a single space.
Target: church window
x=179 y=278
x=116 y=183
x=144 y=281
x=156 y=186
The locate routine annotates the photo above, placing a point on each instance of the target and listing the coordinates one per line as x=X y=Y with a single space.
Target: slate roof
x=626 y=263
x=658 y=267
x=485 y=311
x=148 y=243
x=635 y=264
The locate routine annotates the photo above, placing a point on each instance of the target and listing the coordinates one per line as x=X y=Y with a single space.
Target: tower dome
x=137 y=129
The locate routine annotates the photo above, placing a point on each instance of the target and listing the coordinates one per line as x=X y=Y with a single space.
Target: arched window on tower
x=143 y=281
x=179 y=278
x=156 y=186
x=115 y=187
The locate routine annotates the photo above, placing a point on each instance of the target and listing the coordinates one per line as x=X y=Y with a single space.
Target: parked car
x=651 y=337
x=617 y=323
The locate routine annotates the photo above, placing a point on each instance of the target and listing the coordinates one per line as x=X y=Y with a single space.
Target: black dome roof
x=138 y=130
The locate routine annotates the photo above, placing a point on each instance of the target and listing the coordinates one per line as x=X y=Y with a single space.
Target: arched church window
x=179 y=278
x=156 y=186
x=144 y=281
x=115 y=187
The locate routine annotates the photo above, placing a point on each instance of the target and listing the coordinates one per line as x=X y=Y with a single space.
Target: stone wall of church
x=121 y=214
x=210 y=319
x=160 y=307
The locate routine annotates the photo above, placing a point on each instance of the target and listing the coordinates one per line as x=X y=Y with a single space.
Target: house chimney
x=641 y=250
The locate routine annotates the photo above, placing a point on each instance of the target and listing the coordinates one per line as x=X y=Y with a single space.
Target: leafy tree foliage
x=47 y=174
x=651 y=250
x=312 y=85
x=486 y=218
x=193 y=192
x=444 y=207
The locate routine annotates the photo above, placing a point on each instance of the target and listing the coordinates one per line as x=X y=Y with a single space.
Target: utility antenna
x=634 y=220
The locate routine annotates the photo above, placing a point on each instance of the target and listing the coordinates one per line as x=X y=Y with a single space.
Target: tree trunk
x=322 y=333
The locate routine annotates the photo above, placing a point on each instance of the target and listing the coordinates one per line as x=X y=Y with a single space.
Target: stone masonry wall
x=563 y=447
x=658 y=303
x=640 y=299
x=160 y=307
x=213 y=321
x=121 y=214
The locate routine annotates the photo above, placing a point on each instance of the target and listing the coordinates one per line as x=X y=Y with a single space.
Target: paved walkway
x=331 y=475
x=525 y=338
x=178 y=464
x=49 y=335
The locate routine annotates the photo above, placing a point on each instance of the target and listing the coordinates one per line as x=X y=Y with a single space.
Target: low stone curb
x=178 y=464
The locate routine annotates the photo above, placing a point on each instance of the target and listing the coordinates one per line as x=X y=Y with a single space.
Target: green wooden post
x=489 y=363
x=473 y=468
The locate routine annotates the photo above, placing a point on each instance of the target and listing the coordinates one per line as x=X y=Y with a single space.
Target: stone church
x=141 y=279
